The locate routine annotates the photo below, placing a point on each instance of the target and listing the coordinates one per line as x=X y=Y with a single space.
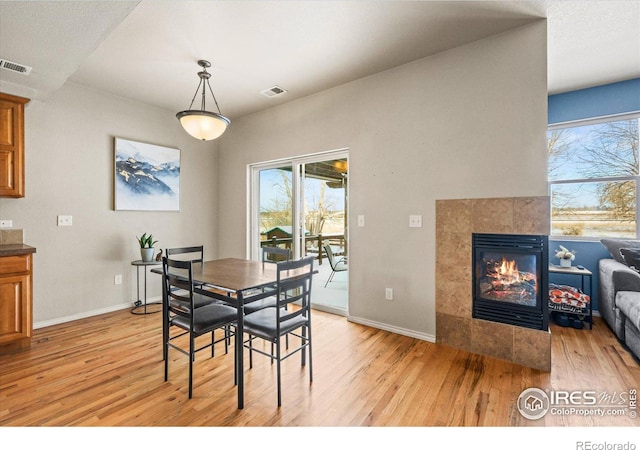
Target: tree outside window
x=593 y=178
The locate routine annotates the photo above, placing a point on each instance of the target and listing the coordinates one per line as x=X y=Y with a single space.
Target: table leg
x=138 y=302
x=239 y=350
x=145 y=289
x=165 y=321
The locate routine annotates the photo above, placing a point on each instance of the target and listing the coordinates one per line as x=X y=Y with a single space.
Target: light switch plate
x=360 y=220
x=415 y=221
x=5 y=223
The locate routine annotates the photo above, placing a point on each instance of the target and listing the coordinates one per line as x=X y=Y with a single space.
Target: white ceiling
x=147 y=51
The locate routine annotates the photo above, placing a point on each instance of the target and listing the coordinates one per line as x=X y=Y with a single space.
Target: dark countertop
x=16 y=249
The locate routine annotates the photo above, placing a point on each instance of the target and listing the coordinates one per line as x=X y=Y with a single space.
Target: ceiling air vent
x=14 y=67
x=273 y=92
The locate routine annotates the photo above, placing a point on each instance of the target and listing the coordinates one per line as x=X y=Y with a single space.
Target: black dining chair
x=271 y=324
x=270 y=255
x=275 y=254
x=195 y=254
x=180 y=298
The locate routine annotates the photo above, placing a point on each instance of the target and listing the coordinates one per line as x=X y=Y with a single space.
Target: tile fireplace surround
x=456 y=220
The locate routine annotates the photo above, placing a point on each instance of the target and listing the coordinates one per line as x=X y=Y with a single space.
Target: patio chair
x=337 y=264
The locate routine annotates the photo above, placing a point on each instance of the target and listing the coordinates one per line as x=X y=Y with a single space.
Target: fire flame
x=508 y=273
x=505 y=282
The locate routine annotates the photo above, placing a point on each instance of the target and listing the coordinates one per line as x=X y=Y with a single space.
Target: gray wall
x=467 y=123
x=470 y=122
x=69 y=170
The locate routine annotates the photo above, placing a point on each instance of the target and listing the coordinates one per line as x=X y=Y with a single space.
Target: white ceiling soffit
x=147 y=51
x=306 y=46
x=52 y=37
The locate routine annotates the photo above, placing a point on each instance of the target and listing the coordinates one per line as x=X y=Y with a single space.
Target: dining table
x=233 y=280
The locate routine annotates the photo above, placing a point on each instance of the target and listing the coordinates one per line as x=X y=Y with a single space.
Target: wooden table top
x=236 y=275
x=233 y=274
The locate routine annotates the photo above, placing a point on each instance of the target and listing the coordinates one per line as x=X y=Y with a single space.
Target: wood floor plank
x=108 y=371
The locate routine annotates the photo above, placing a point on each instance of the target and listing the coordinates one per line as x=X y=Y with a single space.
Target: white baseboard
x=392 y=329
x=361 y=321
x=329 y=309
x=84 y=315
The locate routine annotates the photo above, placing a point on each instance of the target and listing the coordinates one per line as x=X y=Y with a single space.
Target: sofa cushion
x=631 y=257
x=628 y=303
x=614 y=246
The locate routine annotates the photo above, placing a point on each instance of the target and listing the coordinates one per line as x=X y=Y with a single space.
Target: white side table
x=140 y=264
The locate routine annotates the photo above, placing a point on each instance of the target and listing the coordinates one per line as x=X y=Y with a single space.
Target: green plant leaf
x=145 y=241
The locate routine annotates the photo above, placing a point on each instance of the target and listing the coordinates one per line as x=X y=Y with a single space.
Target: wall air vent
x=14 y=67
x=273 y=92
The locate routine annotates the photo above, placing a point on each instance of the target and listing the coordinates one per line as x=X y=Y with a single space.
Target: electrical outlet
x=388 y=293
x=415 y=221
x=5 y=223
x=65 y=221
x=117 y=279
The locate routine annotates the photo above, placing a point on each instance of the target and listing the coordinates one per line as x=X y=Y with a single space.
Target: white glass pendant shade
x=203 y=125
x=200 y=123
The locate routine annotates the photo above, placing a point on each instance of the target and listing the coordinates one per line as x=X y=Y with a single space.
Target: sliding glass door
x=275 y=209
x=301 y=204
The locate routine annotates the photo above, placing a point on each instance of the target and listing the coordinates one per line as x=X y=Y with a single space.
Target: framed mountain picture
x=146 y=177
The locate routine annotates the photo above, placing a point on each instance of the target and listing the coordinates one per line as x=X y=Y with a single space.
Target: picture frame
x=146 y=176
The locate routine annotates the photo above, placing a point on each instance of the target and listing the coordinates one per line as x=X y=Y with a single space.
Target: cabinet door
x=15 y=308
x=11 y=145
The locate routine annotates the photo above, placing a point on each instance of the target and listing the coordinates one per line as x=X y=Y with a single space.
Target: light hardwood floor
x=108 y=371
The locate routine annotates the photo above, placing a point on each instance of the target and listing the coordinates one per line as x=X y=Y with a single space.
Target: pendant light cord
x=203 y=103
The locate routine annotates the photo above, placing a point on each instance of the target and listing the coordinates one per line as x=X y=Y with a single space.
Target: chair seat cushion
x=263 y=323
x=629 y=303
x=207 y=318
x=199 y=300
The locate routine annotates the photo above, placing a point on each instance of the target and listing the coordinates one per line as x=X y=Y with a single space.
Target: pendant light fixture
x=200 y=123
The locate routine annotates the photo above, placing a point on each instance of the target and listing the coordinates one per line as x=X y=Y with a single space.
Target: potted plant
x=146 y=247
x=565 y=256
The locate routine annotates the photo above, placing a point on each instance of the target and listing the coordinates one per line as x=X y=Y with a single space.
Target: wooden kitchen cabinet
x=12 y=145
x=16 y=300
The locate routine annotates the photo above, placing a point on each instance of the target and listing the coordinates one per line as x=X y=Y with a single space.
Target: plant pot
x=147 y=254
x=565 y=262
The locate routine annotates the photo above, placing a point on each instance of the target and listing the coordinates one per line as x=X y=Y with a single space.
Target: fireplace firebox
x=510 y=279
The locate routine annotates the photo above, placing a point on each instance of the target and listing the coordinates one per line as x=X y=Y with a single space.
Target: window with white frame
x=593 y=177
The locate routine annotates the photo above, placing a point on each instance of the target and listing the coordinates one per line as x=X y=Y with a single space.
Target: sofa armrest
x=614 y=277
x=626 y=279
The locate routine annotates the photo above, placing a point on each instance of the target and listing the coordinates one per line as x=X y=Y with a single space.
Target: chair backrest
x=178 y=289
x=194 y=253
x=330 y=257
x=295 y=288
x=275 y=254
